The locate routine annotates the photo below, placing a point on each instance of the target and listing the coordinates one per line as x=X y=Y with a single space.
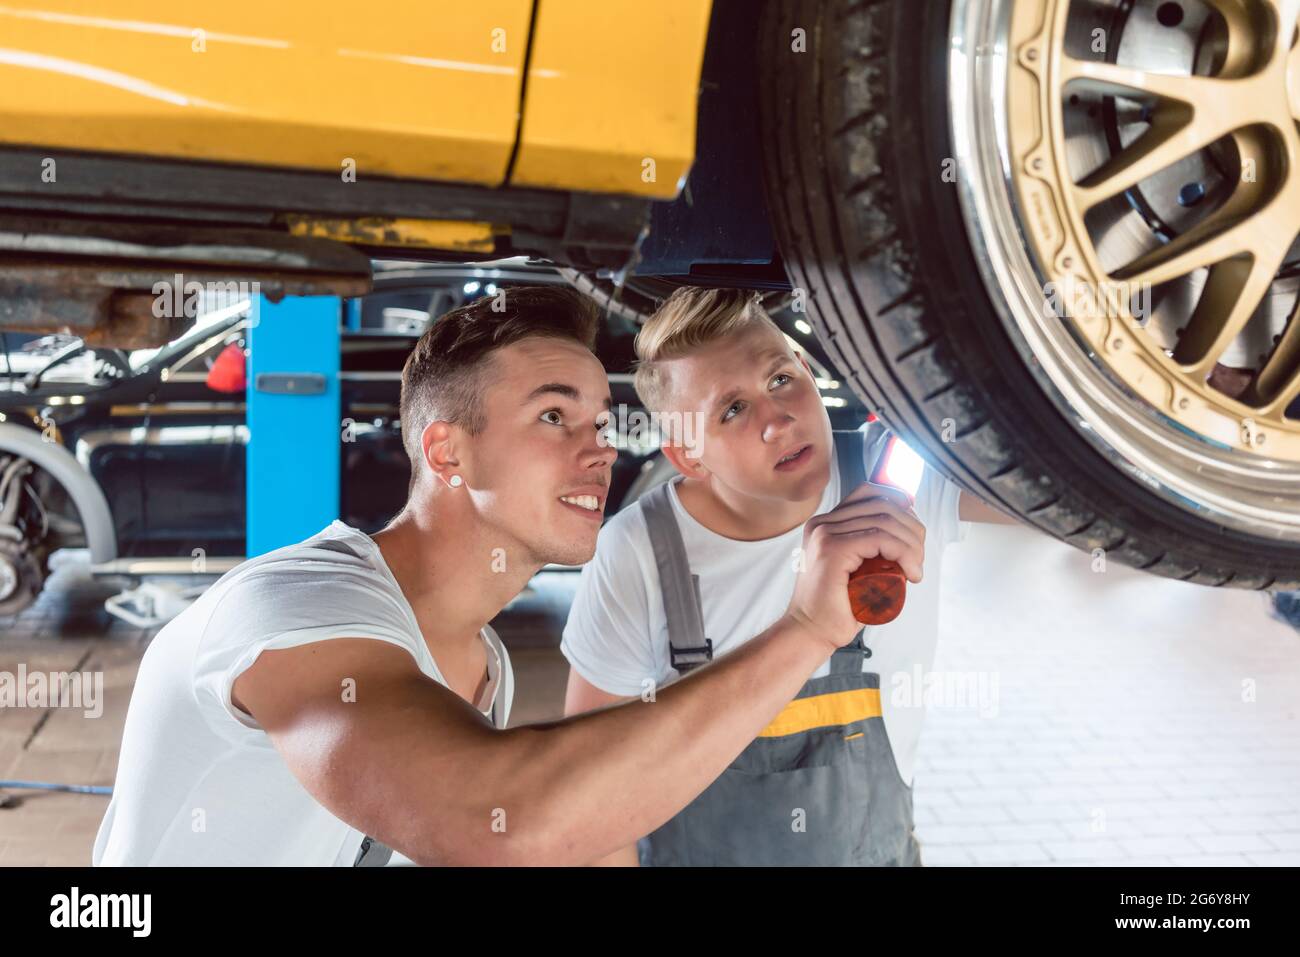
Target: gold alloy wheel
x=1053 y=104
x=1245 y=105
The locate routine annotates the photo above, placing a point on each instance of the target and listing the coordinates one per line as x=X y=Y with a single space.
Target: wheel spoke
x=1244 y=32
x=1232 y=294
x=1176 y=132
x=1113 y=79
x=1278 y=383
x=1245 y=224
x=1191 y=113
x=1218 y=237
x=1284 y=11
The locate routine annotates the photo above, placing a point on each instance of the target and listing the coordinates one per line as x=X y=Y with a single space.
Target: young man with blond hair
x=707 y=561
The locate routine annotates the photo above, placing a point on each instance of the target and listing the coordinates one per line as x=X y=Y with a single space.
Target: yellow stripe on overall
x=824 y=711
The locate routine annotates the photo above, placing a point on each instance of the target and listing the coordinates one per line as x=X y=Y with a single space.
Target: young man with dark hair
x=346 y=694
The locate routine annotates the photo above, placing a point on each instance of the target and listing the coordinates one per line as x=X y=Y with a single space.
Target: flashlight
x=878 y=588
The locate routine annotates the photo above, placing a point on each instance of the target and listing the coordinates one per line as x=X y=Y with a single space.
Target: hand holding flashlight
x=878 y=588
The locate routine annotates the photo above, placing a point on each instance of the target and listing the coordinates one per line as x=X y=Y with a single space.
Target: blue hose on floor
x=46 y=786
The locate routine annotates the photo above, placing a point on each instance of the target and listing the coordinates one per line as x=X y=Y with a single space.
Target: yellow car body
x=586 y=95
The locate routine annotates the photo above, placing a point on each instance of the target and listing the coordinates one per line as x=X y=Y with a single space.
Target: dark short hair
x=443 y=377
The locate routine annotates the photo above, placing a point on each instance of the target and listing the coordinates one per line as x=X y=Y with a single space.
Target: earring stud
x=455 y=481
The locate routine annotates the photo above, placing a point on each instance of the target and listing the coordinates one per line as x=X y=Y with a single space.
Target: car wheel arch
x=80 y=485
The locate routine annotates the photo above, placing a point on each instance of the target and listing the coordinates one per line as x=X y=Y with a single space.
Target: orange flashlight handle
x=877 y=591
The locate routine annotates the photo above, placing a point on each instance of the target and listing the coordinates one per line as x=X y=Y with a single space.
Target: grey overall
x=820 y=785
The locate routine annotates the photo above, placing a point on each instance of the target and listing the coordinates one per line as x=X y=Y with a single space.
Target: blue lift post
x=352 y=315
x=292 y=458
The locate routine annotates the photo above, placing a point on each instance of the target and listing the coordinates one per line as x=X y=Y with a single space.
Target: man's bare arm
x=580 y=697
x=417 y=767
x=406 y=760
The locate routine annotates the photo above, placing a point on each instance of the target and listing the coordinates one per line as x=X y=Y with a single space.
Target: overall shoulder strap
x=680 y=589
x=372 y=853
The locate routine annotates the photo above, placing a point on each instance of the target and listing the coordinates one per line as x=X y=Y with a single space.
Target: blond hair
x=690 y=318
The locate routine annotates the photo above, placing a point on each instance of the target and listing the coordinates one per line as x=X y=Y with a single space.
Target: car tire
x=856 y=131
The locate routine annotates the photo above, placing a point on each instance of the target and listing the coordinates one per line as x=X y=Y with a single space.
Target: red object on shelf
x=227 y=372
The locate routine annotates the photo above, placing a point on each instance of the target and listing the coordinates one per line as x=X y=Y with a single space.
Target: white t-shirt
x=198 y=780
x=616 y=636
